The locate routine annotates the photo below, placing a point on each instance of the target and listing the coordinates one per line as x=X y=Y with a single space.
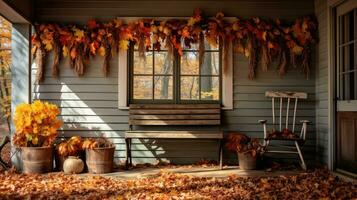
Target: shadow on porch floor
x=196 y=171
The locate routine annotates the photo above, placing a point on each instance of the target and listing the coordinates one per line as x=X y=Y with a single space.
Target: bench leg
x=220 y=154
x=130 y=157
x=127 y=151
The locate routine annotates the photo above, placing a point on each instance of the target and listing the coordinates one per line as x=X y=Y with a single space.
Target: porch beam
x=11 y=14
x=21 y=77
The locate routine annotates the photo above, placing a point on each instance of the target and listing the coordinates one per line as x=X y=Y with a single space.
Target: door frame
x=332 y=82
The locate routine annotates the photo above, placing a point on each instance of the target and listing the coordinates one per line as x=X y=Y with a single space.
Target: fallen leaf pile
x=319 y=184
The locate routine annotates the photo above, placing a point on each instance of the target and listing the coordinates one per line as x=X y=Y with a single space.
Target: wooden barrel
x=100 y=160
x=37 y=159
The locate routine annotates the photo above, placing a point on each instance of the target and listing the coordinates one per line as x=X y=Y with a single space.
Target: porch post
x=21 y=76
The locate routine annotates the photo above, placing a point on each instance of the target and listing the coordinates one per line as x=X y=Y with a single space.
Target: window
x=159 y=77
x=346 y=55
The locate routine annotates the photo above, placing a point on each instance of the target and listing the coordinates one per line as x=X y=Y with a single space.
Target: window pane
x=189 y=88
x=210 y=88
x=163 y=87
x=190 y=63
x=143 y=65
x=194 y=46
x=210 y=65
x=142 y=87
x=163 y=63
x=211 y=47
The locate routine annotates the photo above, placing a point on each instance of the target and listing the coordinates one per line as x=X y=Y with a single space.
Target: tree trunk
x=206 y=68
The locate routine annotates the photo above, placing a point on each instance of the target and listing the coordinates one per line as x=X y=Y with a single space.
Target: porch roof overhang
x=17 y=11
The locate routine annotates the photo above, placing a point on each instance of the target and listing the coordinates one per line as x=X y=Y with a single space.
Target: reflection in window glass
x=163 y=63
x=163 y=87
x=210 y=88
x=189 y=88
x=143 y=65
x=190 y=63
x=210 y=65
x=142 y=87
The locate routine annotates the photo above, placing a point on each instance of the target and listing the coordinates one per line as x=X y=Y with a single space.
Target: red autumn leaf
x=92 y=24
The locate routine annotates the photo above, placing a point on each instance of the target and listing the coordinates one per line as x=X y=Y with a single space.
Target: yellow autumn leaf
x=65 y=51
x=48 y=46
x=101 y=51
x=191 y=21
x=78 y=33
x=246 y=53
x=297 y=50
x=35 y=141
x=123 y=44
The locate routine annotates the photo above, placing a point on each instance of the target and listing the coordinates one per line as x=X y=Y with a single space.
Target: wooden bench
x=173 y=114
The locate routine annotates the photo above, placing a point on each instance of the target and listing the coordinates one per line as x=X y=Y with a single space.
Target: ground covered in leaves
x=319 y=184
x=5 y=154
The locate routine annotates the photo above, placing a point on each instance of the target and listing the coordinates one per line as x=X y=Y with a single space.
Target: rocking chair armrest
x=305 y=121
x=262 y=121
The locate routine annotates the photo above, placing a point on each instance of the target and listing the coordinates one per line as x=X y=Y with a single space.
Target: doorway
x=346 y=88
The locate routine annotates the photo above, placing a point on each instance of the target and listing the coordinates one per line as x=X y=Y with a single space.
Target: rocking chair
x=285 y=134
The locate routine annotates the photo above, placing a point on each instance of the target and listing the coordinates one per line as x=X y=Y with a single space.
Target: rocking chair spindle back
x=282 y=96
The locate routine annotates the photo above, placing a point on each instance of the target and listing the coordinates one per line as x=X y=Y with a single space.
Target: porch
x=95 y=97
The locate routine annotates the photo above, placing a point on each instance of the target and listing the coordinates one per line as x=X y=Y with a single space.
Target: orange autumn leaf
x=101 y=51
x=73 y=53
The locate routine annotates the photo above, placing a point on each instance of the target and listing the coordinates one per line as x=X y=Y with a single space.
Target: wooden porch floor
x=196 y=171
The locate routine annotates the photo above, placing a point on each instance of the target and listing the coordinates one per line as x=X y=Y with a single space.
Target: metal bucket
x=247 y=161
x=100 y=160
x=37 y=159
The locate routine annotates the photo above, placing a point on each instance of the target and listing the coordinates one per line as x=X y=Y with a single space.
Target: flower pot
x=247 y=161
x=100 y=160
x=73 y=165
x=37 y=159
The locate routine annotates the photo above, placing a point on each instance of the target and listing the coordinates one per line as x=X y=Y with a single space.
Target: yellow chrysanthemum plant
x=36 y=124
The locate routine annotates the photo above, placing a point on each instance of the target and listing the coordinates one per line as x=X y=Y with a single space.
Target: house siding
x=322 y=126
x=89 y=103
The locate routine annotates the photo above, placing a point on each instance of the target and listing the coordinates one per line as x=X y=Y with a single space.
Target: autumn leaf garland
x=261 y=41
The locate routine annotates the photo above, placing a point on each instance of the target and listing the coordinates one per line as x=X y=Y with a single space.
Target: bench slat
x=175 y=122
x=174 y=112
x=174 y=134
x=158 y=117
x=174 y=106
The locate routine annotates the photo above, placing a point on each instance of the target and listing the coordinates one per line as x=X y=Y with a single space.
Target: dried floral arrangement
x=261 y=41
x=240 y=143
x=91 y=143
x=70 y=147
x=36 y=124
